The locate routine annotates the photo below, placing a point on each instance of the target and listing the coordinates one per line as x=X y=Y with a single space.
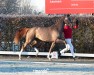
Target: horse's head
x=71 y=21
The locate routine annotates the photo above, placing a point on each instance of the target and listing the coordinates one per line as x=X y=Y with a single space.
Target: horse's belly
x=44 y=37
x=47 y=36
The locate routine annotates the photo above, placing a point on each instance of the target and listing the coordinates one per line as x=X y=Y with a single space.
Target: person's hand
x=75 y=26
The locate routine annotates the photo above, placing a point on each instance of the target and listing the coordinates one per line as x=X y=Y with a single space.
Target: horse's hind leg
x=23 y=46
x=29 y=37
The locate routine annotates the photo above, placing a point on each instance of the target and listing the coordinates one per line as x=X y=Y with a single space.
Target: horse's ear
x=77 y=22
x=63 y=23
x=62 y=17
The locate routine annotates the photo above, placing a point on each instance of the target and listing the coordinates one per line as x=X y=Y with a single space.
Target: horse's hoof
x=20 y=58
x=49 y=59
x=28 y=57
x=48 y=56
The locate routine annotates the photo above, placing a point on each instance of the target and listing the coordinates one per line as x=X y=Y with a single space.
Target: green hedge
x=83 y=37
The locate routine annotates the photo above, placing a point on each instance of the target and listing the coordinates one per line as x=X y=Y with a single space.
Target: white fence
x=16 y=52
x=44 y=53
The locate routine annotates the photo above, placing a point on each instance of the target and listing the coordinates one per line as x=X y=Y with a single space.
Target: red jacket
x=67 y=32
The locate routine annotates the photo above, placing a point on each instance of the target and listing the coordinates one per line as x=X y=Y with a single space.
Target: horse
x=51 y=34
x=47 y=34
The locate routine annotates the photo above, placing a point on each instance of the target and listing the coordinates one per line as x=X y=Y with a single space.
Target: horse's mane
x=59 y=24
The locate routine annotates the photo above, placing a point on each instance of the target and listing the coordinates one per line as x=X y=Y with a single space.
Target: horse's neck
x=59 y=24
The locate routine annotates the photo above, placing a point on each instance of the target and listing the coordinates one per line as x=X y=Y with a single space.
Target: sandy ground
x=10 y=65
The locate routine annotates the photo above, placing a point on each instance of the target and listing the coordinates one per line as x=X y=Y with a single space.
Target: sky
x=38 y=4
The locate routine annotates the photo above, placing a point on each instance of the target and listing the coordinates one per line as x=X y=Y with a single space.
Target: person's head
x=67 y=21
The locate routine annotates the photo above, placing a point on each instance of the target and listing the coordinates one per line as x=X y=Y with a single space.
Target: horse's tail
x=20 y=34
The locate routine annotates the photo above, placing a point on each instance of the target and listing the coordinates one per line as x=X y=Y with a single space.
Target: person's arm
x=76 y=25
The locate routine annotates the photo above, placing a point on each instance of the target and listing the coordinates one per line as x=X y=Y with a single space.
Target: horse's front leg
x=37 y=51
x=52 y=45
x=32 y=44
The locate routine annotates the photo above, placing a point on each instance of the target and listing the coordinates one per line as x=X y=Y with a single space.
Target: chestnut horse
x=47 y=34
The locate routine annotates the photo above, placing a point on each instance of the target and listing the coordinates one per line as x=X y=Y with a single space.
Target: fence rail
x=44 y=53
